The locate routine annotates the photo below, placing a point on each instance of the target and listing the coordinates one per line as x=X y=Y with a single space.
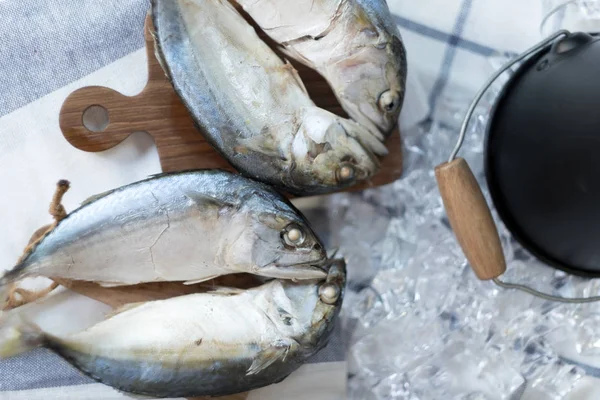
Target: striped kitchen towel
x=49 y=48
x=454 y=46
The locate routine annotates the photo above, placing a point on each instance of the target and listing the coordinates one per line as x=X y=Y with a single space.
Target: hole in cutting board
x=95 y=118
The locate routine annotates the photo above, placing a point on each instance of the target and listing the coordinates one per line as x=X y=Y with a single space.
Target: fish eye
x=329 y=293
x=294 y=235
x=345 y=173
x=389 y=101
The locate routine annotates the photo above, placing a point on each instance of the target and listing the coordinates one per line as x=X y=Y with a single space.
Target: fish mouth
x=364 y=151
x=336 y=281
x=367 y=133
x=361 y=118
x=337 y=271
x=310 y=270
x=380 y=129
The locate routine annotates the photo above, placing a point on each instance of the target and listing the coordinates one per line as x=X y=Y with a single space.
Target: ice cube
x=360 y=389
x=590 y=8
x=394 y=387
x=423 y=326
x=556 y=382
x=397 y=246
x=587 y=342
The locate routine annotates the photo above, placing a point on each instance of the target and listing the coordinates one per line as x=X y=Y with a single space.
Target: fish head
x=368 y=73
x=314 y=306
x=333 y=153
x=306 y=310
x=284 y=246
x=370 y=85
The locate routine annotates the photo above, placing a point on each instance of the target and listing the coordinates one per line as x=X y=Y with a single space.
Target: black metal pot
x=542 y=155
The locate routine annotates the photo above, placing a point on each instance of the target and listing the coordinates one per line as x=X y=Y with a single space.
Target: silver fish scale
x=252 y=107
x=197 y=95
x=185 y=226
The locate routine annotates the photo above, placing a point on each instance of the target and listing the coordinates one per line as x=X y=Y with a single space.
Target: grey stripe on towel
x=38 y=369
x=47 y=44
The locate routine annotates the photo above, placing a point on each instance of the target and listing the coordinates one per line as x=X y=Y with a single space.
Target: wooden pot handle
x=471 y=219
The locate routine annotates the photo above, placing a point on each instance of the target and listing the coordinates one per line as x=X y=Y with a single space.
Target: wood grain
x=180 y=145
x=471 y=219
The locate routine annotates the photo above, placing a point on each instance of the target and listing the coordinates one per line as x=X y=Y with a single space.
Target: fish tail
x=18 y=336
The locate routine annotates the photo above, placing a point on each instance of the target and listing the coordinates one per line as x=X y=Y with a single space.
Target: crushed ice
x=423 y=326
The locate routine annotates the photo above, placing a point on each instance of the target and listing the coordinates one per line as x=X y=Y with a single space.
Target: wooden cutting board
x=158 y=111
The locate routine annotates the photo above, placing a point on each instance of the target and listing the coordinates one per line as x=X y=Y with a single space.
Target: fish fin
x=284 y=315
x=18 y=336
x=208 y=278
x=157 y=175
x=204 y=200
x=95 y=197
x=225 y=290
x=123 y=308
x=163 y=174
x=158 y=54
x=261 y=144
x=290 y=52
x=270 y=355
x=111 y=284
x=290 y=67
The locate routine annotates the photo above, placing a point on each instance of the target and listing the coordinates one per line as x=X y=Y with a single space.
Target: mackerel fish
x=205 y=344
x=188 y=226
x=354 y=44
x=252 y=106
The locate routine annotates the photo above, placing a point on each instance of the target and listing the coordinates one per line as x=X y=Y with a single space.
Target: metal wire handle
x=461 y=138
x=545 y=296
x=490 y=82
